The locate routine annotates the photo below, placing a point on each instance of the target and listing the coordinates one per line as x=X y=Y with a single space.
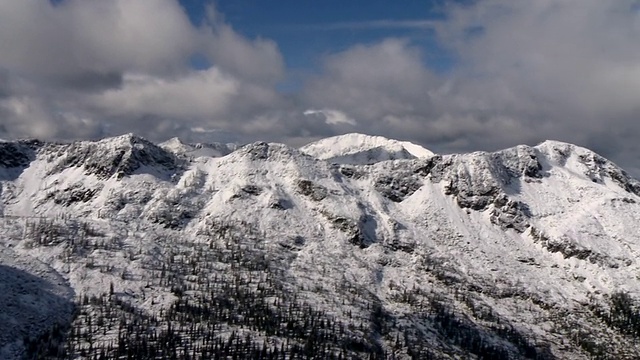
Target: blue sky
x=307 y=30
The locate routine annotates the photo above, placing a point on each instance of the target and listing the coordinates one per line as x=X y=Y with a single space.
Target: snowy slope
x=34 y=298
x=177 y=147
x=363 y=149
x=520 y=252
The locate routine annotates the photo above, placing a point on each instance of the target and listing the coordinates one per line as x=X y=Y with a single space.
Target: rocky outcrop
x=120 y=157
x=73 y=194
x=510 y=214
x=312 y=190
x=401 y=179
x=353 y=229
x=18 y=154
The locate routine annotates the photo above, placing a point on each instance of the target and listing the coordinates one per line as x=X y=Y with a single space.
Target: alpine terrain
x=352 y=247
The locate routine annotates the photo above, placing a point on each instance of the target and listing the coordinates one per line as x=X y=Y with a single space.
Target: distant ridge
x=363 y=149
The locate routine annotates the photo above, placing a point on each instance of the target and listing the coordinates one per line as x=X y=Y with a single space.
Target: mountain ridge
x=518 y=252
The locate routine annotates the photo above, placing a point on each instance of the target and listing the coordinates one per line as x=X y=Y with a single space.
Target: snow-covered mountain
x=353 y=246
x=179 y=148
x=360 y=149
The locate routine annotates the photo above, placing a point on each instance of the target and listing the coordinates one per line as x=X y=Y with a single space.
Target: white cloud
x=331 y=117
x=372 y=81
x=24 y=116
x=125 y=66
x=255 y=60
x=38 y=39
x=560 y=69
x=197 y=95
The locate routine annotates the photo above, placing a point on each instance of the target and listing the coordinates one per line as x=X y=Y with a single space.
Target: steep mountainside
x=331 y=251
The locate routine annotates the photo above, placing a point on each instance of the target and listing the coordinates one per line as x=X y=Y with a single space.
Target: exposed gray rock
x=314 y=191
x=520 y=161
x=120 y=156
x=353 y=229
x=263 y=151
x=73 y=194
x=509 y=214
x=569 y=249
x=352 y=172
x=403 y=178
x=18 y=154
x=475 y=190
x=252 y=190
x=397 y=188
x=423 y=167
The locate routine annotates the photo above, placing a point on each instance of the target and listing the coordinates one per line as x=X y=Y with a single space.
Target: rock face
x=351 y=247
x=120 y=156
x=313 y=191
x=17 y=154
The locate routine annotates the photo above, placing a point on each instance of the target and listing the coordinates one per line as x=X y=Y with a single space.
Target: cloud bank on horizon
x=524 y=71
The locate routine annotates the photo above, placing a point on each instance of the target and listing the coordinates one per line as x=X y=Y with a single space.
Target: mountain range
x=351 y=247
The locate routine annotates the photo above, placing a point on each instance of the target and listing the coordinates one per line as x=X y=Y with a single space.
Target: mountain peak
x=195 y=150
x=124 y=140
x=555 y=143
x=120 y=155
x=358 y=148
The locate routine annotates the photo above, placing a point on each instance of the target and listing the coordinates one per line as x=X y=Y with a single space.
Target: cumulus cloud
x=257 y=60
x=524 y=71
x=558 y=69
x=197 y=95
x=90 y=68
x=81 y=37
x=25 y=116
x=331 y=117
x=371 y=82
